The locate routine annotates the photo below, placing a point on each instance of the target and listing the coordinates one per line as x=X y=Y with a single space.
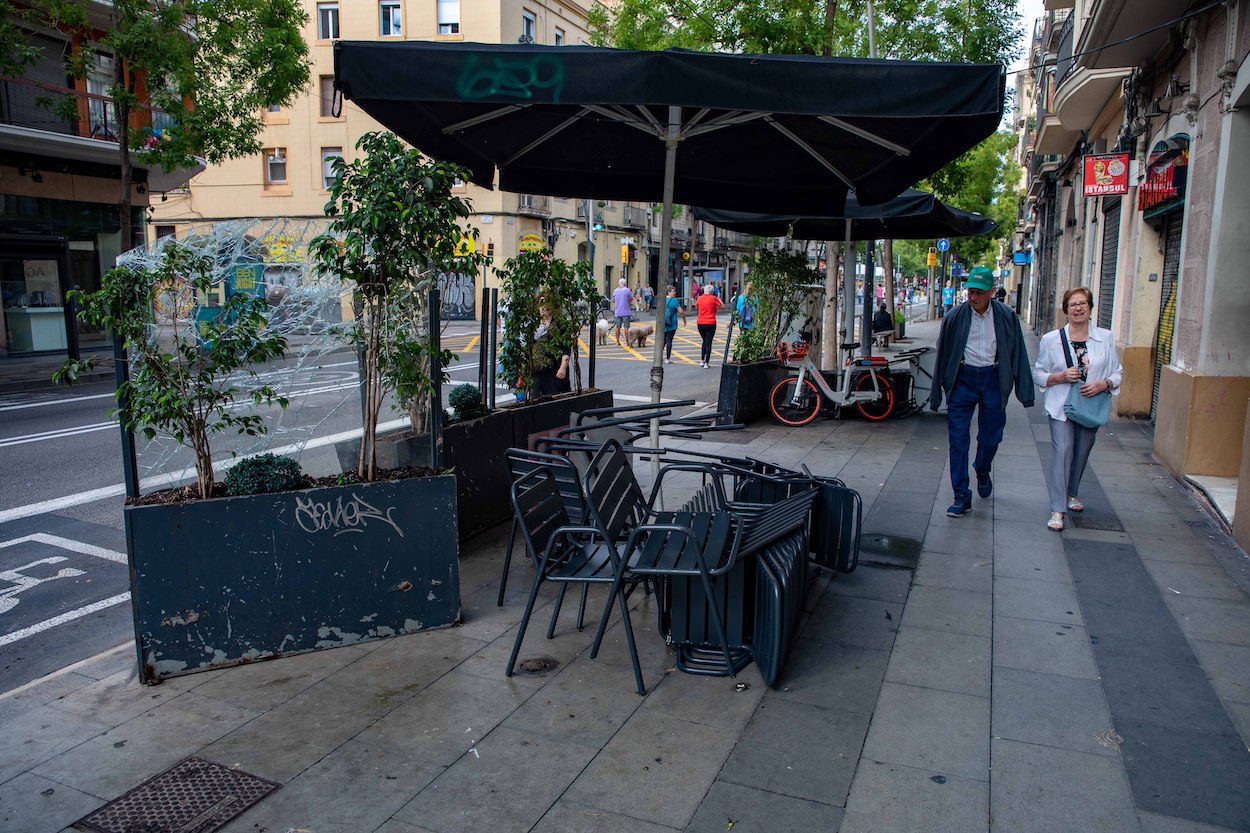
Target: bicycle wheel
x=784 y=408
x=883 y=405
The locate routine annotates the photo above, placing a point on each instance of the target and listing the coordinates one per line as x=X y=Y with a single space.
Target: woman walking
x=1094 y=366
x=672 y=309
x=707 y=304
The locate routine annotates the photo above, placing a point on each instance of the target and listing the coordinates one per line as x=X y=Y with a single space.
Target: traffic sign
x=943 y=244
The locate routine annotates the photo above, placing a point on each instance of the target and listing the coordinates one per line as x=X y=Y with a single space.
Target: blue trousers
x=975 y=387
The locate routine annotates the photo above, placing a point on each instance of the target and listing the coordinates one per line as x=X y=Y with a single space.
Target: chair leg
x=551 y=629
x=607 y=613
x=581 y=608
x=718 y=621
x=633 y=649
x=525 y=620
x=507 y=563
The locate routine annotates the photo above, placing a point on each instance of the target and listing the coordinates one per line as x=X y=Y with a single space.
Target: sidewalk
x=973 y=674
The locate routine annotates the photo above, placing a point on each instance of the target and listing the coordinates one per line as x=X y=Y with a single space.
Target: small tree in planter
x=777 y=279
x=532 y=281
x=187 y=375
x=396 y=225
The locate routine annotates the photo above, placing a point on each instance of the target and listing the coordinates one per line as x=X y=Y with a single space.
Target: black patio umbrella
x=764 y=132
x=913 y=215
x=759 y=132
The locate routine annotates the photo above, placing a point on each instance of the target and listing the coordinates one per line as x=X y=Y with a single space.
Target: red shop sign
x=1166 y=176
x=1106 y=174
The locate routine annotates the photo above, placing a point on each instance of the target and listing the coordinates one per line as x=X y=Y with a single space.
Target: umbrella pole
x=848 y=292
x=666 y=231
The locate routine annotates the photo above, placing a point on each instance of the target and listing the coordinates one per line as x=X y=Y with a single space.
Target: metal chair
x=562 y=552
x=569 y=483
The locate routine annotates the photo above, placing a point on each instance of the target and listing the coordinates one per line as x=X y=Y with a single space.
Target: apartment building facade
x=60 y=186
x=1158 y=93
x=291 y=178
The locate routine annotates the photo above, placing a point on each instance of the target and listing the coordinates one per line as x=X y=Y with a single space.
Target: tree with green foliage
x=777 y=287
x=213 y=66
x=396 y=224
x=188 y=374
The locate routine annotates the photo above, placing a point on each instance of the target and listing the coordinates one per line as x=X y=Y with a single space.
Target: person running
x=707 y=304
x=621 y=299
x=672 y=309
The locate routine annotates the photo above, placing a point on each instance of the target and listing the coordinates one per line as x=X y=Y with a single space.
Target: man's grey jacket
x=1013 y=357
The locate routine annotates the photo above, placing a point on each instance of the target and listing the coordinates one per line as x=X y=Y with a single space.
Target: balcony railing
x=533 y=205
x=1065 y=64
x=41 y=106
x=635 y=217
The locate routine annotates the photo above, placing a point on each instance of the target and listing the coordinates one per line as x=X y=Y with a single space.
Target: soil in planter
x=185 y=494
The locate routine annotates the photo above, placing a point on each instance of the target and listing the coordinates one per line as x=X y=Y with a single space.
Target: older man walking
x=981 y=356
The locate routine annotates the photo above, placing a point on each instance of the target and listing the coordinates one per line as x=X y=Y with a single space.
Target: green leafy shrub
x=263 y=474
x=466 y=402
x=777 y=281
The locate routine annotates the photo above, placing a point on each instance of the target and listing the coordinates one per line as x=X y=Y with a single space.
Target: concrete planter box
x=220 y=582
x=744 y=390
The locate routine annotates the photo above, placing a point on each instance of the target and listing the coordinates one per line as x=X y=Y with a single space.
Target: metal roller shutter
x=1110 y=250
x=1167 y=303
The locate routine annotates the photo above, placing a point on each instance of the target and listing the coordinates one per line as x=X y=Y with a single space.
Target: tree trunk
x=888 y=257
x=122 y=109
x=829 y=320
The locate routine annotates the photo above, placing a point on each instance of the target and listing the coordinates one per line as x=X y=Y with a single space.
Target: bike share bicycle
x=876 y=386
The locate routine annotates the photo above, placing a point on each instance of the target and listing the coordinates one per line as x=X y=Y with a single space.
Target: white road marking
x=57 y=434
x=68 y=616
x=69 y=544
x=48 y=402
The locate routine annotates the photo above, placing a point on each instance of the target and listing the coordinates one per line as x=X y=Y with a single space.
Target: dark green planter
x=232 y=580
x=744 y=390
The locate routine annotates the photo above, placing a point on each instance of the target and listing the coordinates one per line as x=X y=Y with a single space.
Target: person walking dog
x=981 y=356
x=1076 y=364
x=621 y=298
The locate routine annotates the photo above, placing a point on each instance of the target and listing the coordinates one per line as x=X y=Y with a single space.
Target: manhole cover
x=537 y=665
x=194 y=796
x=1087 y=522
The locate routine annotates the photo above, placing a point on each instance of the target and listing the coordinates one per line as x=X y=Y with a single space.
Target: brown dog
x=638 y=334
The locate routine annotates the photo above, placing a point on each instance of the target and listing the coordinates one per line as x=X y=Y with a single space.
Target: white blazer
x=1104 y=363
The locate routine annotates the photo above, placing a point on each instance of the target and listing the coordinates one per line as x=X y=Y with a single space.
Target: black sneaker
x=985 y=486
x=959 y=508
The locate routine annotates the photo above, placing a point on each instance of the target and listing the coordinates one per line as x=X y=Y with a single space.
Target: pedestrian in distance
x=981 y=357
x=1094 y=366
x=948 y=299
x=648 y=296
x=882 y=321
x=621 y=299
x=707 y=304
x=745 y=306
x=1001 y=294
x=551 y=375
x=672 y=310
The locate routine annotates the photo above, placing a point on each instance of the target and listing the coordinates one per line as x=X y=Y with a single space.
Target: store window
x=449 y=17
x=275 y=167
x=390 y=15
x=328 y=155
x=327 y=21
x=34 y=315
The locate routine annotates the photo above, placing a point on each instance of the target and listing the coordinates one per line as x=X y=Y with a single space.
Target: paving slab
x=1053 y=710
x=943 y=660
x=720 y=702
x=655 y=768
x=1155 y=823
x=1227 y=666
x=569 y=817
x=798 y=750
x=929 y=729
x=899 y=799
x=583 y=703
x=865 y=623
x=868 y=582
x=1217 y=620
x=750 y=810
x=956 y=572
x=471 y=795
x=1044 y=647
x=833 y=675
x=957 y=611
x=1045 y=601
x=1041 y=789
x=40 y=734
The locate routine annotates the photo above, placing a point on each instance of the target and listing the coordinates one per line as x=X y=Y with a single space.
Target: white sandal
x=1074 y=504
x=1055 y=522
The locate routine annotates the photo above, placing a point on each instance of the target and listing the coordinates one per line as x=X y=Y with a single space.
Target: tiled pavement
x=1009 y=678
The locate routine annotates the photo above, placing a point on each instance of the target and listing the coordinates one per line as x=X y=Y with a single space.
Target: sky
x=1030 y=10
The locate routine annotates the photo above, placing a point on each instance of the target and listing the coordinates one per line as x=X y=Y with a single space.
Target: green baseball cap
x=980 y=278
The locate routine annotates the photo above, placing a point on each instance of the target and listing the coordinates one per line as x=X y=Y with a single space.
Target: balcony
x=1083 y=95
x=531 y=205
x=68 y=128
x=1130 y=30
x=635 y=217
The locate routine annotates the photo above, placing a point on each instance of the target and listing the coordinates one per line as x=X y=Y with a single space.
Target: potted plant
x=777 y=281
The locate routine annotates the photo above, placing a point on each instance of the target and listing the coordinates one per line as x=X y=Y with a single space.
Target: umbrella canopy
x=913 y=215
x=768 y=132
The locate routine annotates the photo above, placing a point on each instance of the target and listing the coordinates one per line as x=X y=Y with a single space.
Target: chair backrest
x=614 y=499
x=538 y=508
x=568 y=480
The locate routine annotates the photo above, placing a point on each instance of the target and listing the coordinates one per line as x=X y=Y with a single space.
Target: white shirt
x=982 y=347
x=1103 y=363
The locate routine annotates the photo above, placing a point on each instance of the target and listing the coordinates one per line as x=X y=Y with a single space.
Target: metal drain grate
x=1087 y=522
x=194 y=796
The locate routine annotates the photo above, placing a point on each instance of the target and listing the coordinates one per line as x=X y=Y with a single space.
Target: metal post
x=932 y=311
x=436 y=384
x=666 y=232
x=848 y=289
x=130 y=468
x=483 y=342
x=494 y=345
x=869 y=295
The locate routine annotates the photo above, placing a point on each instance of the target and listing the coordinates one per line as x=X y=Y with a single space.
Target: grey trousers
x=1070 y=445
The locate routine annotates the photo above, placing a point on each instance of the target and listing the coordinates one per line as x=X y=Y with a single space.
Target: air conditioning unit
x=581 y=210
